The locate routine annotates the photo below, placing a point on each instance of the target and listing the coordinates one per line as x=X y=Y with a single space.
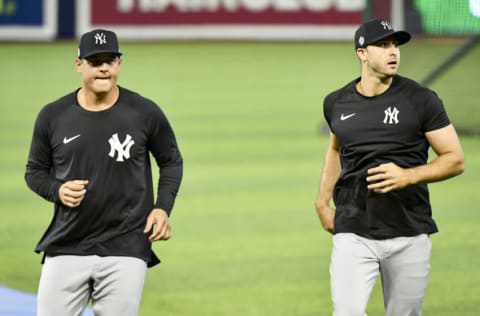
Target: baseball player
x=89 y=155
x=376 y=170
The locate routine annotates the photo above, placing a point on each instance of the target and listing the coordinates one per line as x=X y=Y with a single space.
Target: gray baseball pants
x=356 y=262
x=113 y=284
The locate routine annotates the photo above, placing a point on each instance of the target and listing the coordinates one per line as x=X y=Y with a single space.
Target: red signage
x=223 y=19
x=233 y=12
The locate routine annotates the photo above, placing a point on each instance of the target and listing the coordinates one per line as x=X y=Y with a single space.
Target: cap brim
x=401 y=36
x=96 y=52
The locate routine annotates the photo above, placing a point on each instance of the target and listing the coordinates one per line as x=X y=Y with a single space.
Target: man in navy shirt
x=376 y=171
x=90 y=156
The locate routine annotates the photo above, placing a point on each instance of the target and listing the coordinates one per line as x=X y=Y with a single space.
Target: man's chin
x=392 y=71
x=389 y=74
x=102 y=88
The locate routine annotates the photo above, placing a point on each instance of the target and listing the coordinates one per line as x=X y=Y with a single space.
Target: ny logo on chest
x=391 y=115
x=120 y=149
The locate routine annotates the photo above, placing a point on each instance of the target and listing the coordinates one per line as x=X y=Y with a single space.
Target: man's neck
x=96 y=102
x=372 y=86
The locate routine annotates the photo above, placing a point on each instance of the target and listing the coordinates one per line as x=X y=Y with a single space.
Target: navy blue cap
x=97 y=42
x=375 y=30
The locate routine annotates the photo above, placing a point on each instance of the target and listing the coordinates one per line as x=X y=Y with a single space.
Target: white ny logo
x=100 y=38
x=391 y=116
x=123 y=149
x=386 y=25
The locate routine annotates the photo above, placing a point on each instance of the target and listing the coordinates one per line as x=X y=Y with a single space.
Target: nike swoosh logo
x=68 y=140
x=346 y=117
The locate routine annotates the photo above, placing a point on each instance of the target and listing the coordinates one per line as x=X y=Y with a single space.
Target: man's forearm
x=442 y=167
x=331 y=171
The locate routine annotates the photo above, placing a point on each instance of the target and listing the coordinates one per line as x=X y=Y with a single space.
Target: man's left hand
x=388 y=177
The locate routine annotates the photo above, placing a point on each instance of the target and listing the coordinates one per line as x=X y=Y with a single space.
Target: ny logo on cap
x=100 y=38
x=386 y=25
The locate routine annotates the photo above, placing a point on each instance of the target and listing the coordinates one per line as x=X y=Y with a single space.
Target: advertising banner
x=456 y=17
x=28 y=19
x=223 y=19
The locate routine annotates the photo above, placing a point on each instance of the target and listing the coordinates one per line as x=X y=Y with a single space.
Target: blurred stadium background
x=242 y=82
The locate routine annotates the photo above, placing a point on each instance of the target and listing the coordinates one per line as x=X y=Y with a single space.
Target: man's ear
x=78 y=64
x=361 y=54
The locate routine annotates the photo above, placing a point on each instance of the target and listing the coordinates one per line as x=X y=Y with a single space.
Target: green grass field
x=246 y=237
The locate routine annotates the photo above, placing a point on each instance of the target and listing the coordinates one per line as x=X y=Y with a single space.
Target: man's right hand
x=327 y=217
x=71 y=193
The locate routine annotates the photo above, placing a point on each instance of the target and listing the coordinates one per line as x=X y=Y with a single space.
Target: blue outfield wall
x=25 y=12
x=66 y=19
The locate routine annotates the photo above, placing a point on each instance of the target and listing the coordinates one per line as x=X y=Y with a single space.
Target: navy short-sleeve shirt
x=386 y=128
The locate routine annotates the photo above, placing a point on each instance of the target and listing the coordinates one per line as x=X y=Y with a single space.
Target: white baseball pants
x=403 y=263
x=114 y=284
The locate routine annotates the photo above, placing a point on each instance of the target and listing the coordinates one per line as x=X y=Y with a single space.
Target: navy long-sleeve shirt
x=111 y=149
